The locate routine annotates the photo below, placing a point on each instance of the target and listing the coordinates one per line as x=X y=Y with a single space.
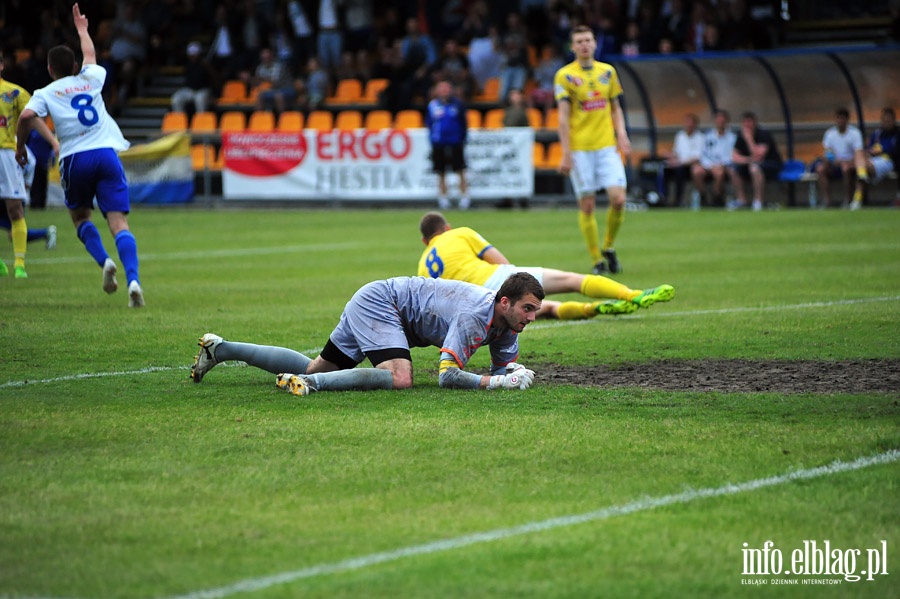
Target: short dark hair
x=61 y=60
x=724 y=113
x=431 y=224
x=843 y=112
x=517 y=285
x=890 y=111
x=749 y=115
x=581 y=29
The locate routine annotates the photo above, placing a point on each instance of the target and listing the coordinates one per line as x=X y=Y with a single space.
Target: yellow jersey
x=456 y=254
x=12 y=102
x=589 y=91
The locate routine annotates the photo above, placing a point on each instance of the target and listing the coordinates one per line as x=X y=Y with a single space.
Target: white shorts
x=883 y=167
x=12 y=181
x=504 y=271
x=595 y=170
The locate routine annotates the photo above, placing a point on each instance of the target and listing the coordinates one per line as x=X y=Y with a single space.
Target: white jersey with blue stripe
x=79 y=113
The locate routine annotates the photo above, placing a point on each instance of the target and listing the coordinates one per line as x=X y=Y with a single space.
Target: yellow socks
x=588 y=225
x=600 y=287
x=614 y=220
x=575 y=311
x=20 y=240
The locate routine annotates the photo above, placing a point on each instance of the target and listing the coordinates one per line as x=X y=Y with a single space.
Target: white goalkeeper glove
x=516 y=377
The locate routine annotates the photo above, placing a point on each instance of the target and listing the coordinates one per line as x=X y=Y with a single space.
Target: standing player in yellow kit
x=592 y=133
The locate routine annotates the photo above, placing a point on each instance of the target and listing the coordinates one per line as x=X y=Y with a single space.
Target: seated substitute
x=881 y=156
x=384 y=319
x=464 y=255
x=715 y=162
x=756 y=159
x=685 y=155
x=842 y=144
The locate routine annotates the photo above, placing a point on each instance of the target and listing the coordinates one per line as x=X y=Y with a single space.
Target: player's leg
x=611 y=176
x=459 y=166
x=215 y=350
x=19 y=232
x=439 y=164
x=848 y=175
x=758 y=178
x=698 y=178
x=595 y=286
x=334 y=371
x=823 y=172
x=584 y=182
x=112 y=198
x=77 y=175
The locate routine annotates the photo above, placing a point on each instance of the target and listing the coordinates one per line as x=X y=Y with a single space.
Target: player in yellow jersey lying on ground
x=462 y=254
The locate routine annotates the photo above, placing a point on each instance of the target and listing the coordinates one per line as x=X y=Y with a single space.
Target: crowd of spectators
x=413 y=43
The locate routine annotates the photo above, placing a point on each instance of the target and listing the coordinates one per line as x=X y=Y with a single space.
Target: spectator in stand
x=712 y=38
x=685 y=154
x=715 y=161
x=317 y=83
x=346 y=68
x=128 y=50
x=756 y=160
x=198 y=80
x=281 y=40
x=12 y=70
x=360 y=24
x=476 y=23
x=223 y=54
x=881 y=156
x=453 y=65
x=254 y=35
x=363 y=65
x=842 y=145
x=282 y=93
x=484 y=57
x=304 y=41
x=541 y=96
x=737 y=27
x=330 y=41
x=607 y=41
x=516 y=112
x=447 y=127
x=419 y=54
x=651 y=29
x=389 y=26
x=631 y=46
x=36 y=75
x=693 y=41
x=514 y=51
x=674 y=25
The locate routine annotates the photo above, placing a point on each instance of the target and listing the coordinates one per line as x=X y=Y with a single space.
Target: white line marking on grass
x=218 y=253
x=640 y=505
x=536 y=326
x=738 y=310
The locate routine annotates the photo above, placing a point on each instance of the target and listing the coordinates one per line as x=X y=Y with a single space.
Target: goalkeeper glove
x=516 y=377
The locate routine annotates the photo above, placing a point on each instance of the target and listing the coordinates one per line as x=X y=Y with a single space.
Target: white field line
x=536 y=326
x=217 y=253
x=644 y=504
x=640 y=505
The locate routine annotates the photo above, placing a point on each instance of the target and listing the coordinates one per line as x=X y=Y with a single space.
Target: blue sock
x=35 y=234
x=127 y=247
x=90 y=237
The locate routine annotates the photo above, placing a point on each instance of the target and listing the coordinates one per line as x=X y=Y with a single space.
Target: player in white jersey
x=384 y=319
x=843 y=146
x=89 y=165
x=715 y=160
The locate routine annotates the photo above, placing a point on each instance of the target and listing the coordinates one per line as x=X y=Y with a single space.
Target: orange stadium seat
x=203 y=122
x=372 y=89
x=203 y=156
x=551 y=119
x=535 y=118
x=379 y=119
x=348 y=120
x=539 y=155
x=490 y=92
x=473 y=118
x=320 y=120
x=408 y=119
x=290 y=121
x=233 y=92
x=553 y=155
x=174 y=122
x=493 y=118
x=261 y=121
x=348 y=91
x=233 y=120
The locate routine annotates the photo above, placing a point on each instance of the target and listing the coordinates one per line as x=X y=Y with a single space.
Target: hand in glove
x=516 y=377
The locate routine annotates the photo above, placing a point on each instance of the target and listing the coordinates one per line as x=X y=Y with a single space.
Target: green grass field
x=119 y=478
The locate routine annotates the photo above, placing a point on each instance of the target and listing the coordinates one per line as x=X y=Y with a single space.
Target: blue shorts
x=95 y=173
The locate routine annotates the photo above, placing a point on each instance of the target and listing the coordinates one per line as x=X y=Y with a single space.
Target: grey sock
x=267 y=357
x=362 y=379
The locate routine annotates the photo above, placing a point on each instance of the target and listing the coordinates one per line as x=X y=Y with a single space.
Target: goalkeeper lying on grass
x=384 y=319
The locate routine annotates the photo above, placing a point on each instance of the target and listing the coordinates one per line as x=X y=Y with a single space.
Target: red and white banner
x=370 y=165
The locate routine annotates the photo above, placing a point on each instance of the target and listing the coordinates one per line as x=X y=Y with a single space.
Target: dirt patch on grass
x=741 y=376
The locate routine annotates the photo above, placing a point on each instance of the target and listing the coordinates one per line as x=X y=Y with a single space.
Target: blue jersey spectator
x=447 y=128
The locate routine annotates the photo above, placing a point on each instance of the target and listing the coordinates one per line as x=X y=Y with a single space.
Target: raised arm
x=87 y=45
